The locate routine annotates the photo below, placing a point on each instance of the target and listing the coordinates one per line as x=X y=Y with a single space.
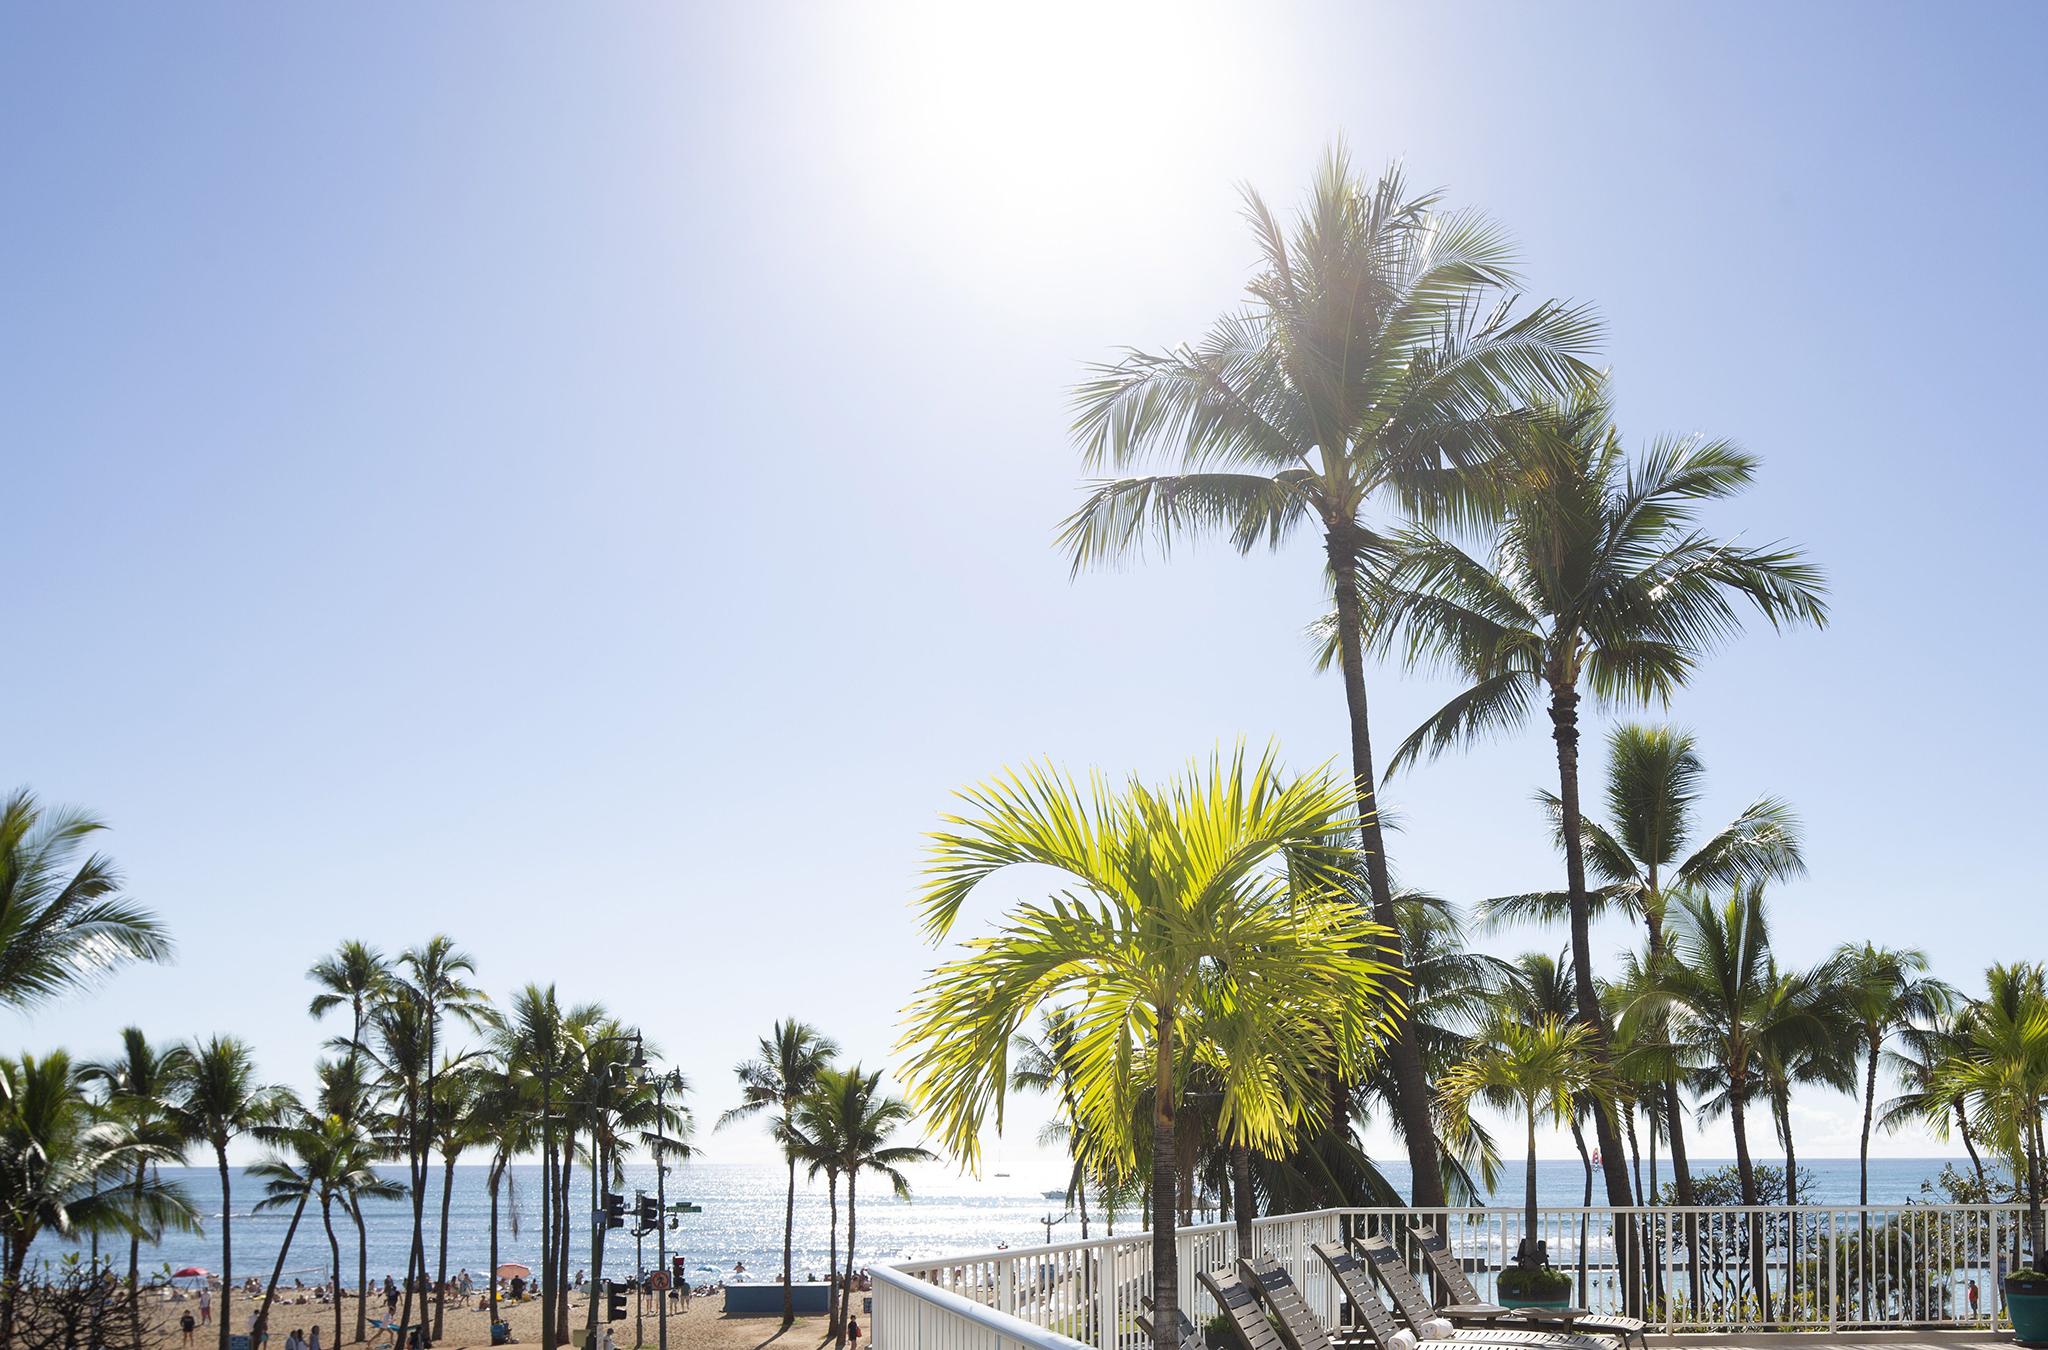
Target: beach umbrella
x=189 y=1273
x=511 y=1268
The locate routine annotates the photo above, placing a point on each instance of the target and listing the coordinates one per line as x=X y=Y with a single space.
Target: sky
x=583 y=479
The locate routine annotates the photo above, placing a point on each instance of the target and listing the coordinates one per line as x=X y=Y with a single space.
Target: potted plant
x=1536 y=1287
x=2026 y=1302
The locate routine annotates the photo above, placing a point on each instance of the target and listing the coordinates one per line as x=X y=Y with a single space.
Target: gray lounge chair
x=1299 y=1328
x=1191 y=1337
x=1372 y=1314
x=1450 y=1278
x=1241 y=1305
x=1414 y=1307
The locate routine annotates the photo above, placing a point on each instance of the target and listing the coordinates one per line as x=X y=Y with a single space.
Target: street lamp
x=662 y=1085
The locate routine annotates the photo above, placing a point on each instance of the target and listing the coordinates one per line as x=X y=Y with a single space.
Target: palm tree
x=345 y=1097
x=286 y=1185
x=1640 y=854
x=1730 y=1014
x=812 y=1137
x=1228 y=873
x=503 y=1116
x=64 y=924
x=1815 y=1061
x=352 y=978
x=1450 y=996
x=2002 y=1071
x=1599 y=577
x=1884 y=992
x=1047 y=1065
x=864 y=1119
x=68 y=1168
x=1918 y=1061
x=790 y=1060
x=1544 y=1068
x=142 y=1086
x=222 y=1101
x=456 y=1128
x=1369 y=365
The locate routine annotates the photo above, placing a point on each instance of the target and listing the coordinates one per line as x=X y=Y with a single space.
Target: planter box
x=2028 y=1308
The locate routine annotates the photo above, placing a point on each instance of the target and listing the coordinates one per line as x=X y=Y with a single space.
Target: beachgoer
x=205 y=1304
x=293 y=1340
x=1973 y=1298
x=853 y=1332
x=258 y=1333
x=608 y=1343
x=313 y=1338
x=186 y=1324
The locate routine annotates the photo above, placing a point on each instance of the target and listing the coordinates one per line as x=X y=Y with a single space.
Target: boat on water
x=1054 y=1195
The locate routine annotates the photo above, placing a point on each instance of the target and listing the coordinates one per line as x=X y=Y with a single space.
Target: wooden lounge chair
x=1450 y=1278
x=1372 y=1314
x=1247 y=1315
x=1299 y=1328
x=1414 y=1307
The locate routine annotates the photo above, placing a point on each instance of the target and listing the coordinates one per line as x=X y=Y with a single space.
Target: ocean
x=742 y=1216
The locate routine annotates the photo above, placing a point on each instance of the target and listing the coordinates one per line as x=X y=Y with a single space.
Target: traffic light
x=614 y=1210
x=649 y=1214
x=614 y=1301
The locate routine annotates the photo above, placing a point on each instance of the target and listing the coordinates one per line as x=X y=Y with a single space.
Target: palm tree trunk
x=597 y=1236
x=1969 y=1141
x=1869 y=1105
x=1745 y=1171
x=491 y=1275
x=835 y=1297
x=227 y=1242
x=284 y=1249
x=564 y=1176
x=788 y=1236
x=17 y=1256
x=1585 y=1203
x=355 y=1211
x=1081 y=1193
x=1527 y=1256
x=135 y=1260
x=839 y=1336
x=1165 y=1250
x=334 y=1255
x=1241 y=1200
x=547 y=1231
x=441 y=1279
x=1426 y=1187
x=1784 y=1108
x=1564 y=718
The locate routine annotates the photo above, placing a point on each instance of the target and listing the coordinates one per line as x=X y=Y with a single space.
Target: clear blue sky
x=582 y=478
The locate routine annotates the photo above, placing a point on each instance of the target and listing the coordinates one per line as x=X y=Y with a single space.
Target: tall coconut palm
x=64 y=923
x=1599 y=580
x=1046 y=1064
x=142 y=1084
x=305 y=1152
x=790 y=1060
x=222 y=1101
x=456 y=1128
x=345 y=1098
x=432 y=982
x=1543 y=1069
x=1883 y=991
x=1729 y=1013
x=864 y=1120
x=812 y=1136
x=1229 y=872
x=351 y=977
x=68 y=1167
x=504 y=1116
x=1647 y=848
x=1825 y=1058
x=1370 y=363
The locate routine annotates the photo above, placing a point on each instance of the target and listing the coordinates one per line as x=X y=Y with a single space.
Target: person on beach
x=313 y=1338
x=853 y=1332
x=205 y=1304
x=186 y=1324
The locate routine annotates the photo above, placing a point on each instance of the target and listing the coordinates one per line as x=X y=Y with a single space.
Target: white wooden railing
x=1803 y=1268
